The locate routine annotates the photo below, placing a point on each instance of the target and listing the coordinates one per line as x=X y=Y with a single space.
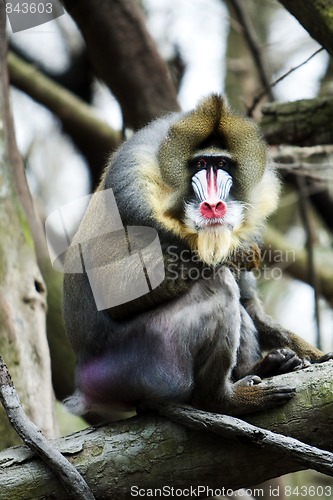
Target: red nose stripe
x=213 y=207
x=211 y=178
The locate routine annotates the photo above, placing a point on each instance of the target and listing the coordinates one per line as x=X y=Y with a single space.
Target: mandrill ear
x=185 y=137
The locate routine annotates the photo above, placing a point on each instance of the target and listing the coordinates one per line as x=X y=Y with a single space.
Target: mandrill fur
x=203 y=181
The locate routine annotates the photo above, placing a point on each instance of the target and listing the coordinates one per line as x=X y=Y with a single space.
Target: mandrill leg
x=249 y=396
x=271 y=334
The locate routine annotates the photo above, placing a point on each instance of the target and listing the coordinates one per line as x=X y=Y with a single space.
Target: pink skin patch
x=212 y=207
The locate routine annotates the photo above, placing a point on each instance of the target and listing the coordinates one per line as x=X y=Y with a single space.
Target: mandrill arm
x=271 y=334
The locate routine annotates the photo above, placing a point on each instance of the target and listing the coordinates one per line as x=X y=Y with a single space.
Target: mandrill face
x=212 y=212
x=215 y=185
x=212 y=205
x=206 y=178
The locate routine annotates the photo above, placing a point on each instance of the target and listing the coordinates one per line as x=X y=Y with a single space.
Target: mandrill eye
x=223 y=163
x=201 y=163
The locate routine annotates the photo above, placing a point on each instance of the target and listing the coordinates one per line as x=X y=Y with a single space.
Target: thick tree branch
x=150 y=451
x=125 y=57
x=61 y=353
x=22 y=290
x=94 y=138
x=302 y=123
x=316 y=17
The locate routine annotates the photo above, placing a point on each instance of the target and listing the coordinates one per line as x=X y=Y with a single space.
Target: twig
x=264 y=91
x=304 y=210
x=254 y=46
x=308 y=456
x=72 y=481
x=313 y=162
x=313 y=173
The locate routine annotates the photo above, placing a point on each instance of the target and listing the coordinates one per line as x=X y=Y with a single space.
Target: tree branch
x=308 y=456
x=266 y=90
x=315 y=164
x=302 y=123
x=93 y=137
x=309 y=231
x=310 y=162
x=44 y=90
x=70 y=478
x=294 y=262
x=150 y=451
x=316 y=17
x=125 y=57
x=22 y=289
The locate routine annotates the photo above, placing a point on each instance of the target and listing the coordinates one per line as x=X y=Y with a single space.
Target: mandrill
x=201 y=180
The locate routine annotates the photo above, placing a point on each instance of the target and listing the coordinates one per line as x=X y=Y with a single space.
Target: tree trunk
x=23 y=341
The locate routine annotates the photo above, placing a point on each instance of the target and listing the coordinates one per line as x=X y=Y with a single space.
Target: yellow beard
x=214 y=245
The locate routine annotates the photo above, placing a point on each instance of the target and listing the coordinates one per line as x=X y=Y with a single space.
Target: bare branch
x=32 y=436
x=311 y=162
x=294 y=262
x=273 y=84
x=307 y=456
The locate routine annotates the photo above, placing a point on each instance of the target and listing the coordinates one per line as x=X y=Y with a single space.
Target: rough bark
x=125 y=57
x=62 y=356
x=316 y=17
x=23 y=341
x=303 y=123
x=150 y=451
